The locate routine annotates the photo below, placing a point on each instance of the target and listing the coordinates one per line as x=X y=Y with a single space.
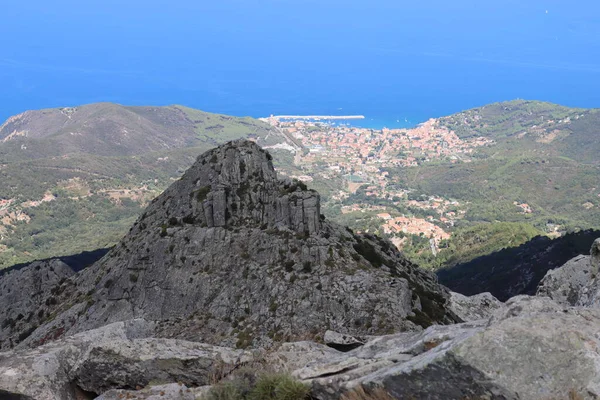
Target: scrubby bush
x=265 y=387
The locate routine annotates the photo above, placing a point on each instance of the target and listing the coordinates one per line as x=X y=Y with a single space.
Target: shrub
x=307 y=267
x=265 y=388
x=291 y=389
x=202 y=193
x=224 y=391
x=278 y=387
x=367 y=250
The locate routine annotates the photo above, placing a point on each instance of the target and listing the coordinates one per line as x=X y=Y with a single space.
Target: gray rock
x=172 y=391
x=292 y=356
x=565 y=284
x=230 y=255
x=532 y=349
x=117 y=356
x=472 y=308
x=29 y=293
x=342 y=342
x=24 y=291
x=595 y=257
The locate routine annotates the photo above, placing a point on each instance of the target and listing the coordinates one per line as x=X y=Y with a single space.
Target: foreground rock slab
x=173 y=391
x=532 y=349
x=117 y=356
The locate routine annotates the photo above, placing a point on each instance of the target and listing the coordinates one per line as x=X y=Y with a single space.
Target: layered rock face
x=230 y=255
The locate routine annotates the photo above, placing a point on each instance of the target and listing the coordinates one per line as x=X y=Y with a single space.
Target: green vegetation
x=555 y=188
x=264 y=387
x=506 y=119
x=220 y=128
x=468 y=243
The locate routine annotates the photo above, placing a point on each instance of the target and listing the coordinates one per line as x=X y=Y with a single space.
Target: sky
x=390 y=60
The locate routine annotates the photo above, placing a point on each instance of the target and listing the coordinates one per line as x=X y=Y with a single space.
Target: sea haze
x=398 y=63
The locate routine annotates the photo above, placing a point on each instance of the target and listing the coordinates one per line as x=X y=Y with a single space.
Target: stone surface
x=28 y=291
x=230 y=255
x=118 y=356
x=472 y=308
x=342 y=342
x=532 y=349
x=565 y=284
x=173 y=391
x=23 y=292
x=292 y=356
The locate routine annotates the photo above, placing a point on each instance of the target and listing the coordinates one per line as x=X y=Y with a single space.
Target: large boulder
x=565 y=284
x=172 y=391
x=473 y=308
x=122 y=355
x=532 y=349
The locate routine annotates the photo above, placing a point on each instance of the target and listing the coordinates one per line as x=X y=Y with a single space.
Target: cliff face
x=231 y=255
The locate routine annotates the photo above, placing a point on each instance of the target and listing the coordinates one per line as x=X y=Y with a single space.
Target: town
x=359 y=158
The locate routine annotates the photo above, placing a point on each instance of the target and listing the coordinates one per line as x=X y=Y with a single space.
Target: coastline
x=317 y=117
x=356 y=121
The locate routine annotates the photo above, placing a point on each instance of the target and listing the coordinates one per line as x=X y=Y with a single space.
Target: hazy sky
x=414 y=58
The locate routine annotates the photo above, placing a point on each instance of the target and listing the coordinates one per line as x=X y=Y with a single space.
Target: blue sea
x=398 y=63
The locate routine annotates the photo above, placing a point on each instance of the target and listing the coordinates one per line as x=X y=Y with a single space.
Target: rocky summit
x=230 y=255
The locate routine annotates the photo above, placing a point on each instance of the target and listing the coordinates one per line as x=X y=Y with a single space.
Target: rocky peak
x=231 y=255
x=236 y=185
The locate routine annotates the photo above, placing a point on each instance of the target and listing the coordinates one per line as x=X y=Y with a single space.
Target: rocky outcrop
x=473 y=308
x=231 y=255
x=173 y=391
x=533 y=349
x=23 y=292
x=117 y=356
x=576 y=282
x=565 y=284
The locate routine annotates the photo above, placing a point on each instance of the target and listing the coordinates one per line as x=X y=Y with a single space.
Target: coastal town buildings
x=360 y=157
